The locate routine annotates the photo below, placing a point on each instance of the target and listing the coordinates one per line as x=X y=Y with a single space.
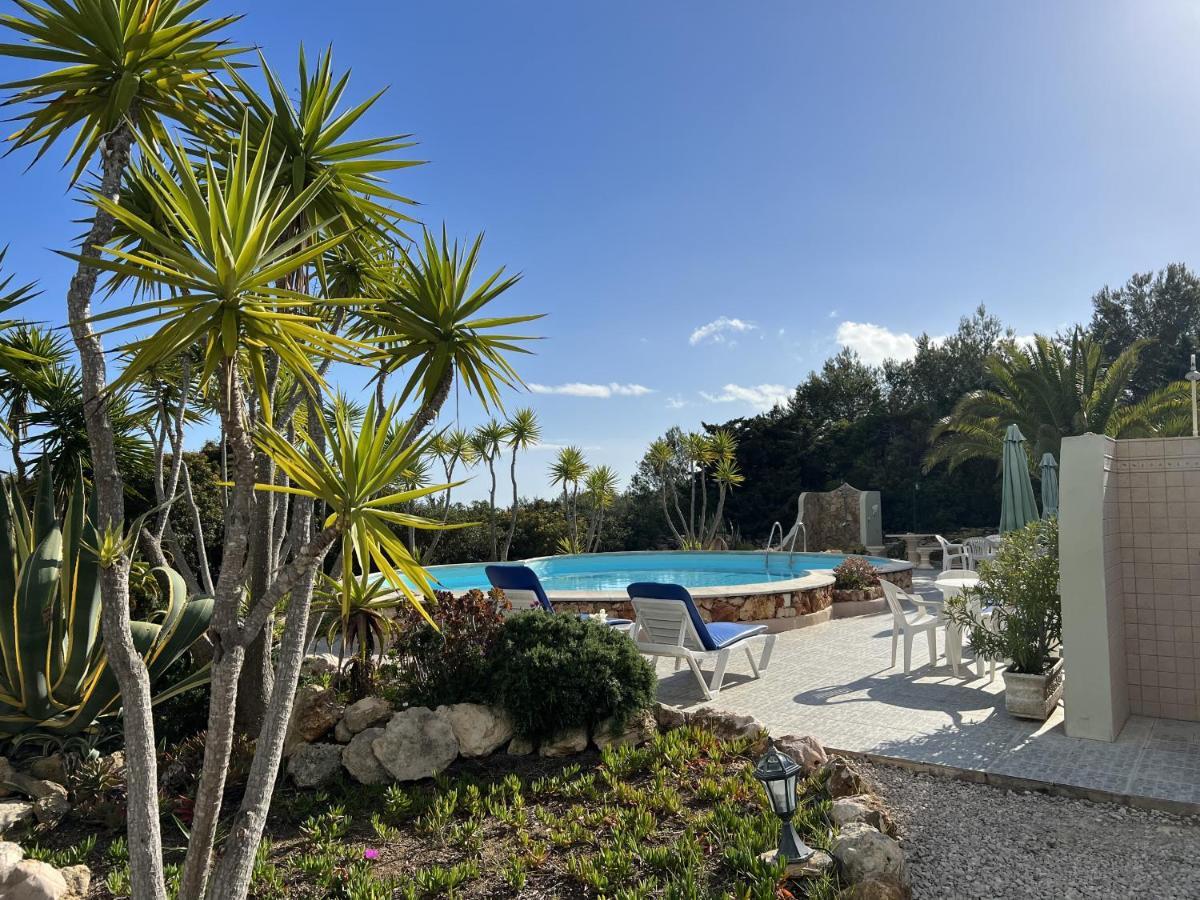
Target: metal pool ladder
x=799 y=527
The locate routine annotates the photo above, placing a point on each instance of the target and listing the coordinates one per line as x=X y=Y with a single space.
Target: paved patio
x=834 y=681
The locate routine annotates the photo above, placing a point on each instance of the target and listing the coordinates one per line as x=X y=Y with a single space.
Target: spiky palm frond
x=231 y=246
x=142 y=60
x=431 y=323
x=308 y=140
x=355 y=478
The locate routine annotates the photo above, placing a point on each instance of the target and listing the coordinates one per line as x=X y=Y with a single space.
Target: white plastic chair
x=953 y=553
x=667 y=626
x=980 y=549
x=910 y=624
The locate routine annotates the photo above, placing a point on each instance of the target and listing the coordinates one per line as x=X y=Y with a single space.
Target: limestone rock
x=315 y=765
x=842 y=779
x=865 y=853
x=669 y=717
x=859 y=808
x=480 y=730
x=636 y=732
x=885 y=887
x=51 y=809
x=520 y=746
x=27 y=784
x=49 y=768
x=728 y=725
x=360 y=761
x=10 y=855
x=13 y=812
x=804 y=749
x=314 y=712
x=565 y=743
x=32 y=879
x=417 y=743
x=366 y=713
x=341 y=733
x=78 y=879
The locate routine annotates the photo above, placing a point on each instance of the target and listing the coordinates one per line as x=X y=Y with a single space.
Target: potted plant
x=1023 y=618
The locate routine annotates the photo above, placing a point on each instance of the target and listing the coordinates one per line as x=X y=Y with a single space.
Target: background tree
x=567 y=472
x=487 y=441
x=524 y=432
x=451 y=448
x=599 y=492
x=1052 y=391
x=1161 y=307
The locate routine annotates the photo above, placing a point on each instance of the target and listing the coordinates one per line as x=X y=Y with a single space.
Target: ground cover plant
x=681 y=817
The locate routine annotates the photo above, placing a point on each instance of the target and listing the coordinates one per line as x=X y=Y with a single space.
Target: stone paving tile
x=835 y=681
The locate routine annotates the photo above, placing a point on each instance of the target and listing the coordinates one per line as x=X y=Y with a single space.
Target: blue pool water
x=614 y=571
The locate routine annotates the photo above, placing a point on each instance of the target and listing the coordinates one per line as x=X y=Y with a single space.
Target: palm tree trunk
x=595 y=548
x=703 y=504
x=691 y=529
x=428 y=411
x=437 y=535
x=229 y=651
x=717 y=515
x=662 y=492
x=512 y=524
x=492 y=505
x=144 y=835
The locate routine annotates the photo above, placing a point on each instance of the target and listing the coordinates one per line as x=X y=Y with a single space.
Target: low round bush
x=554 y=672
x=855 y=574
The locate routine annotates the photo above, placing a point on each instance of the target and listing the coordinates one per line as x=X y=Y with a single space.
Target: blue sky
x=708 y=199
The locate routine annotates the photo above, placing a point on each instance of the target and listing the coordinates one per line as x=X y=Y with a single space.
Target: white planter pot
x=1033 y=696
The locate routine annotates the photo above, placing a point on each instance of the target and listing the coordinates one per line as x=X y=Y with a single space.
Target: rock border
x=864 y=848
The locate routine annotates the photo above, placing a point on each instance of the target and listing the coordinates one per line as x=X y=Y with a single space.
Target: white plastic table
x=951 y=584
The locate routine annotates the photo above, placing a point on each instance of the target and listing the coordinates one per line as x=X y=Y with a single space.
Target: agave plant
x=54 y=674
x=361 y=616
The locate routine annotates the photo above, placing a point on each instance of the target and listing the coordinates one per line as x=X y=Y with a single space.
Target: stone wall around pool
x=779 y=610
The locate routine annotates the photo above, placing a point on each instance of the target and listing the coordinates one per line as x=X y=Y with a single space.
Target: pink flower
x=370 y=853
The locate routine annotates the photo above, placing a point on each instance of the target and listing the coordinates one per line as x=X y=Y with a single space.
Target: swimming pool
x=613 y=571
x=784 y=590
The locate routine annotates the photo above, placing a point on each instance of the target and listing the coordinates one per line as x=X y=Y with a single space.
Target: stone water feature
x=843 y=519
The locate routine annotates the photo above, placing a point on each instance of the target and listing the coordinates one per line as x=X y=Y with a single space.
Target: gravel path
x=968 y=840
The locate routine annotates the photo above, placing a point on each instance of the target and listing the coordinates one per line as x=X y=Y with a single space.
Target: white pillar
x=1095 y=695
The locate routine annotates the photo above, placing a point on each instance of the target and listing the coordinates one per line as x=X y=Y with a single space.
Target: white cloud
x=875 y=343
x=676 y=402
x=599 y=391
x=760 y=396
x=718 y=330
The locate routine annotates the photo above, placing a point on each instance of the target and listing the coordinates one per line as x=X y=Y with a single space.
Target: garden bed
x=681 y=816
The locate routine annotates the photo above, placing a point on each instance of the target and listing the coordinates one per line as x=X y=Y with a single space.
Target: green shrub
x=431 y=667
x=553 y=672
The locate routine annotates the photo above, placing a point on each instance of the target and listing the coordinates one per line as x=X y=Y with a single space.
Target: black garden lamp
x=777 y=772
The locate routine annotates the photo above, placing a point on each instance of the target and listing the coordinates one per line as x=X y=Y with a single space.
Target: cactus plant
x=54 y=674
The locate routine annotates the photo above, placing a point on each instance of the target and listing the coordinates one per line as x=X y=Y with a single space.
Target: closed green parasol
x=1017 y=505
x=1049 y=486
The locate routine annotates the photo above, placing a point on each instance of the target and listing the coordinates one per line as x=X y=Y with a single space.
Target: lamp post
x=1193 y=376
x=777 y=772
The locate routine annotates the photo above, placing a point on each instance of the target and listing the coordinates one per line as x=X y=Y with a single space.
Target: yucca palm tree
x=12 y=356
x=35 y=351
x=486 y=443
x=699 y=460
x=1053 y=390
x=567 y=471
x=600 y=490
x=354 y=473
x=114 y=69
x=524 y=432
x=431 y=324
